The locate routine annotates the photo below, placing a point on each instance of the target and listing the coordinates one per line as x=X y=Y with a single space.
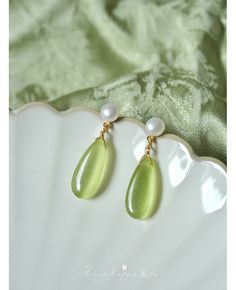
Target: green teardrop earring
x=144 y=191
x=92 y=169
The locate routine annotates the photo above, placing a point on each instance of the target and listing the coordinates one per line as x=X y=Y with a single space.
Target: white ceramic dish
x=61 y=242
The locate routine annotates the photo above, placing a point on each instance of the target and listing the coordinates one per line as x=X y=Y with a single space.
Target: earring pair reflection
x=93 y=170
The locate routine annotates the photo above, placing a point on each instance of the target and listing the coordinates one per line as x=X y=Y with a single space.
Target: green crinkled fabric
x=153 y=58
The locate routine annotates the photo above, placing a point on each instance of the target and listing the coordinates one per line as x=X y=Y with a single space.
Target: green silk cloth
x=161 y=58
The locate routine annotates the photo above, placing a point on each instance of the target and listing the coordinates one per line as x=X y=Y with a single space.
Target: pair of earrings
x=144 y=189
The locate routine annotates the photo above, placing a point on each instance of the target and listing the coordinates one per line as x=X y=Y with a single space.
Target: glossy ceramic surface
x=58 y=241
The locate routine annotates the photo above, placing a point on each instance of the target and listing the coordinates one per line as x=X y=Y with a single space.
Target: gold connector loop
x=106 y=127
x=150 y=140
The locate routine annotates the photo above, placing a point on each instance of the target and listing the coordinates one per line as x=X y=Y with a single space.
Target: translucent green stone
x=144 y=190
x=92 y=169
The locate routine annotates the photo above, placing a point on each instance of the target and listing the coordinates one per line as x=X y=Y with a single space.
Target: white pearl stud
x=109 y=112
x=155 y=127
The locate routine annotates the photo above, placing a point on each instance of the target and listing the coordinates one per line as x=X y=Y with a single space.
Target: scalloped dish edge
x=139 y=123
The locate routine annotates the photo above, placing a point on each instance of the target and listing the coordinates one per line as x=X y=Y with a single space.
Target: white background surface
x=61 y=242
